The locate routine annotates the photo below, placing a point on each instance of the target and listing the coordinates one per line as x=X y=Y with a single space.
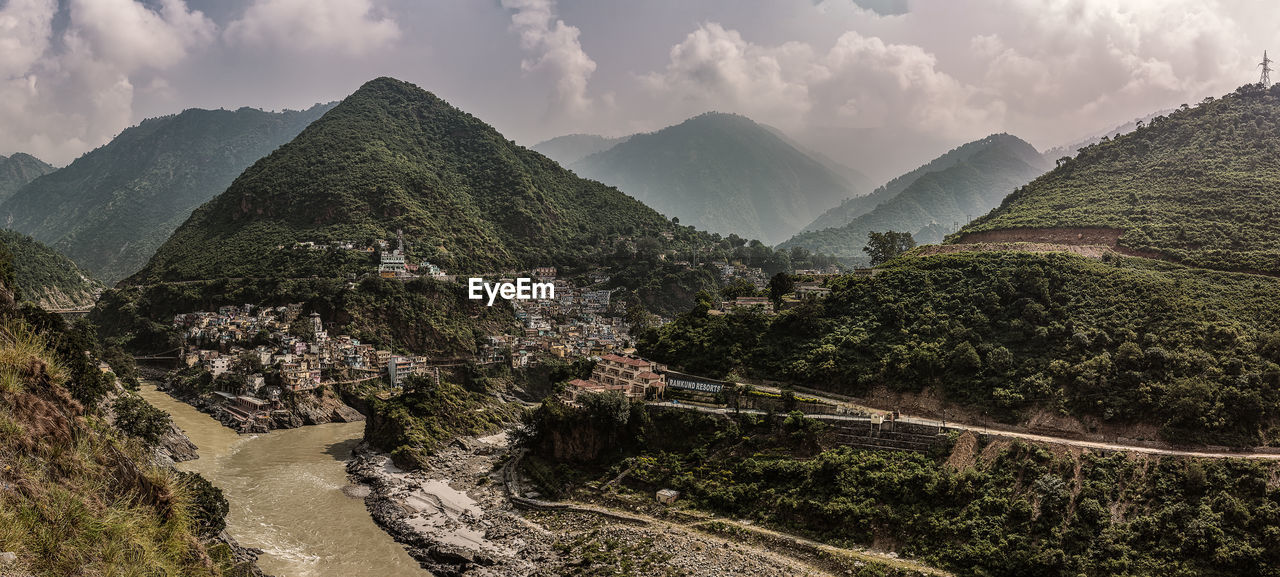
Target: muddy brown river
x=285 y=491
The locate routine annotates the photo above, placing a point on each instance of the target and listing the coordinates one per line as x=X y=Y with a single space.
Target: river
x=285 y=491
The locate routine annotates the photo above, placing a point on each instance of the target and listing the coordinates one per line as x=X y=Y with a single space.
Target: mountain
x=111 y=208
x=18 y=170
x=1071 y=149
x=1200 y=186
x=854 y=207
x=931 y=205
x=723 y=173
x=394 y=157
x=46 y=277
x=571 y=148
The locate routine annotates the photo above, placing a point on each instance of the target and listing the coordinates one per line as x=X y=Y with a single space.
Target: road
x=981 y=430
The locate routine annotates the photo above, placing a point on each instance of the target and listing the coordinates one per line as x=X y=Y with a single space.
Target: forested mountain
x=1190 y=352
x=854 y=207
x=970 y=181
x=1200 y=186
x=723 y=173
x=394 y=157
x=18 y=170
x=46 y=277
x=111 y=208
x=571 y=148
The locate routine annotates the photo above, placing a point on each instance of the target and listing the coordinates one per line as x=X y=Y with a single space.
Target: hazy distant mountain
x=571 y=148
x=111 y=208
x=852 y=208
x=723 y=173
x=390 y=157
x=936 y=202
x=45 y=277
x=18 y=170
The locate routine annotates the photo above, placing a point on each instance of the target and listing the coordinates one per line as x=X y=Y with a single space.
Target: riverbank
x=289 y=496
x=315 y=407
x=456 y=518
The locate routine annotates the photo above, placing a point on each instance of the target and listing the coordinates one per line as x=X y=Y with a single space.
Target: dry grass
x=75 y=498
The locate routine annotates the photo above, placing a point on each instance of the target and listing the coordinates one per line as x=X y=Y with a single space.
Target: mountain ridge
x=722 y=173
x=113 y=206
x=979 y=174
x=390 y=157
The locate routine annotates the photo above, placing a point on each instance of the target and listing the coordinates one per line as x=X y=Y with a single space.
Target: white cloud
x=860 y=80
x=1100 y=61
x=349 y=27
x=56 y=104
x=25 y=30
x=555 y=51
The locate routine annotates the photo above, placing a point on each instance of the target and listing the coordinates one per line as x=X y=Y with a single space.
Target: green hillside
x=571 y=148
x=722 y=173
x=1191 y=352
x=18 y=170
x=979 y=175
x=46 y=277
x=1200 y=186
x=111 y=208
x=853 y=207
x=394 y=157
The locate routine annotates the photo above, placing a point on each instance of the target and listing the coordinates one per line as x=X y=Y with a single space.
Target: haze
x=881 y=85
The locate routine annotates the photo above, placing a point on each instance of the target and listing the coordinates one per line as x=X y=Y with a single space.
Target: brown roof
x=581 y=384
x=626 y=360
x=647 y=375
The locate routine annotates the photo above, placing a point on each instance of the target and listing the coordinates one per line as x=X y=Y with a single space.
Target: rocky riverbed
x=455 y=518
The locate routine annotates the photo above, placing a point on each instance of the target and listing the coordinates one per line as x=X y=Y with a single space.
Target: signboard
x=689 y=384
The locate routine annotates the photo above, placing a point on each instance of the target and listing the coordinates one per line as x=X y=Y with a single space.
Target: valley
x=368 y=328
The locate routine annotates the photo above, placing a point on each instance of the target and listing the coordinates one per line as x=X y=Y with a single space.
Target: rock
x=8 y=558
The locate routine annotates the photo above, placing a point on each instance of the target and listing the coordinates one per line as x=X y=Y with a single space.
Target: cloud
x=861 y=81
x=349 y=27
x=880 y=7
x=555 y=51
x=1073 y=59
x=57 y=102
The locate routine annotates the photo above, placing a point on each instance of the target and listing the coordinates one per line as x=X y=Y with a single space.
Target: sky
x=880 y=85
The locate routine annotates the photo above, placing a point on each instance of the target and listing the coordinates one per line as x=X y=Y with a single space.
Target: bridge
x=161 y=356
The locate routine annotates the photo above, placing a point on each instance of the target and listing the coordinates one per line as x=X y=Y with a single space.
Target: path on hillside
x=983 y=430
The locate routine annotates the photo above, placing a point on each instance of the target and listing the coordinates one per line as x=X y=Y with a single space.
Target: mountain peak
x=392 y=156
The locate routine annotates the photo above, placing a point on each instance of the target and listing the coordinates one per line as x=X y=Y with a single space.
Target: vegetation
x=48 y=278
x=885 y=246
x=18 y=170
x=1200 y=186
x=722 y=173
x=1194 y=352
x=978 y=508
x=967 y=181
x=571 y=148
x=112 y=208
x=77 y=497
x=137 y=418
x=414 y=425
x=394 y=157
x=857 y=206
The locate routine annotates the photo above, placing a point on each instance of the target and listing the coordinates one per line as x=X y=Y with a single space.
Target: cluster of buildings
x=249 y=340
x=578 y=322
x=636 y=379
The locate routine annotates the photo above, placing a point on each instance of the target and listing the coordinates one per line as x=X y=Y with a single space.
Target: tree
x=780 y=285
x=883 y=246
x=138 y=418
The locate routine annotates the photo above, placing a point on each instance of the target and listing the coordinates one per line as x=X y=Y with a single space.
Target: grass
x=77 y=498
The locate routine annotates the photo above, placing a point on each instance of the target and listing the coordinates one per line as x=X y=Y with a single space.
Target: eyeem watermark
x=523 y=289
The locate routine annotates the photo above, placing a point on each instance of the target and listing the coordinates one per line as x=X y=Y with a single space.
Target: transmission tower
x=1265 y=81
